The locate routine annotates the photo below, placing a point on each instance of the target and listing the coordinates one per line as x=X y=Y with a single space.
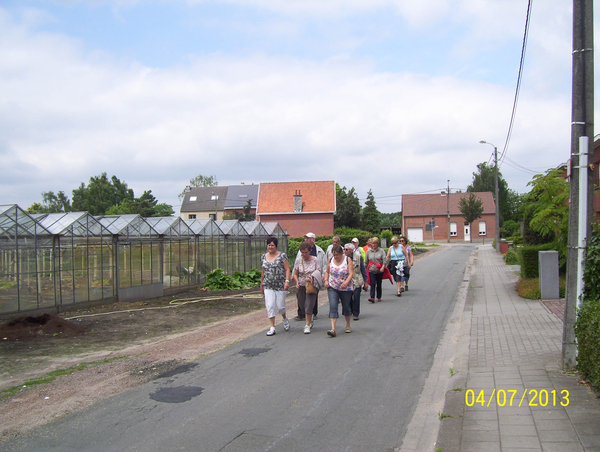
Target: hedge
x=587 y=326
x=528 y=256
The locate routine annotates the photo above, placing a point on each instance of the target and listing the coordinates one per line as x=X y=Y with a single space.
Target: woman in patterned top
x=338 y=280
x=274 y=283
x=305 y=268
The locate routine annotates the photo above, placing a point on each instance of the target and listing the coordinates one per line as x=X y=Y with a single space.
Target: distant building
x=298 y=207
x=421 y=212
x=215 y=202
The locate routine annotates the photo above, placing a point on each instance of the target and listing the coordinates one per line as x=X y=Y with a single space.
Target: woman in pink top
x=338 y=281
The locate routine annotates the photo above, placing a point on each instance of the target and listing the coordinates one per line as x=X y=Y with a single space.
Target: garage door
x=415 y=235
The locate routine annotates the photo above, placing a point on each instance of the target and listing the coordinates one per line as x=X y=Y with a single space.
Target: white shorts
x=275 y=301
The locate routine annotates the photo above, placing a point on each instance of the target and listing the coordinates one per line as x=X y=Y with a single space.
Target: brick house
x=418 y=211
x=298 y=207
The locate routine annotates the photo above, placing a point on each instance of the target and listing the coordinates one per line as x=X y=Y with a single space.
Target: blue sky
x=388 y=95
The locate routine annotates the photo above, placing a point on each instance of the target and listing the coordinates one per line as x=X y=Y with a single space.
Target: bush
x=528 y=257
x=218 y=280
x=587 y=331
x=530 y=288
x=511 y=228
x=516 y=239
x=347 y=234
x=587 y=325
x=511 y=258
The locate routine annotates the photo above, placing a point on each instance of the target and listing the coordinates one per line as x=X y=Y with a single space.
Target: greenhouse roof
x=170 y=226
x=14 y=221
x=203 y=227
x=77 y=224
x=273 y=228
x=130 y=225
x=232 y=227
x=254 y=228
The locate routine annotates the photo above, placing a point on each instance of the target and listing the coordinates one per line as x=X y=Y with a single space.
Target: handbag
x=310 y=287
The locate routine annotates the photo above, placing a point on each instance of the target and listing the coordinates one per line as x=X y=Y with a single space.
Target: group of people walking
x=344 y=271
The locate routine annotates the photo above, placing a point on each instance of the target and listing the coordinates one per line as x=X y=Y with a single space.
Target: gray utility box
x=548 y=264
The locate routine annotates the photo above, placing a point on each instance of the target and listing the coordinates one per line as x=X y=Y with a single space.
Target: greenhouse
x=61 y=260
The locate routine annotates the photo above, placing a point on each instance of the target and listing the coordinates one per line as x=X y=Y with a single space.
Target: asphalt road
x=289 y=392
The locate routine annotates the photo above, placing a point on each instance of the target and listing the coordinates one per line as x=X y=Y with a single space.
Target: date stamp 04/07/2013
x=510 y=397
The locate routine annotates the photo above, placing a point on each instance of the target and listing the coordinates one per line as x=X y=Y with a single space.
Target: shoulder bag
x=310 y=287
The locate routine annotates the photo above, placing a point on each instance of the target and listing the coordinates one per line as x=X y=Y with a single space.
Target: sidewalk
x=511 y=347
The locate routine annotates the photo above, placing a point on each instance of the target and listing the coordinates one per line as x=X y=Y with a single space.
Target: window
x=213 y=216
x=482 y=228
x=453 y=230
x=192 y=216
x=193 y=198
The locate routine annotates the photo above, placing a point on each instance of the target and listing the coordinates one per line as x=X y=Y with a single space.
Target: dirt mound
x=40 y=326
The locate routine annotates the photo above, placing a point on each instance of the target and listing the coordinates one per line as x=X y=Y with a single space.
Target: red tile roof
x=436 y=204
x=278 y=197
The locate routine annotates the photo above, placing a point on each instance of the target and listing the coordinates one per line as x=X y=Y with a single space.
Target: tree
x=391 y=220
x=146 y=206
x=347 y=208
x=200 y=181
x=471 y=208
x=371 y=218
x=51 y=203
x=245 y=215
x=546 y=208
x=484 y=180
x=101 y=194
x=514 y=201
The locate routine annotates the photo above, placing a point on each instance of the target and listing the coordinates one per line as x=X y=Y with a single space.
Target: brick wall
x=441 y=232
x=299 y=224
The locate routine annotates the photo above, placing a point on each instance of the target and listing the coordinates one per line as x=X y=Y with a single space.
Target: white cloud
x=66 y=115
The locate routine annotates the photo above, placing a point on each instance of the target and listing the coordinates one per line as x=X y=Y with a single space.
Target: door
x=467 y=233
x=415 y=235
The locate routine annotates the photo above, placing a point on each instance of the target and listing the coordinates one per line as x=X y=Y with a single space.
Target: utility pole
x=448 y=209
x=497 y=213
x=581 y=195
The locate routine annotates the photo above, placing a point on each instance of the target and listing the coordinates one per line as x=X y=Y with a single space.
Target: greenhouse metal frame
x=57 y=261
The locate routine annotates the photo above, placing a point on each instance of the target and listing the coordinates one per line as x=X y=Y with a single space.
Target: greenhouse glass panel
x=81 y=271
x=66 y=277
x=136 y=264
x=125 y=277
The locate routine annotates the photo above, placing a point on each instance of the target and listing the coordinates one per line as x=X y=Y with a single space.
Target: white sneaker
x=286 y=325
x=271 y=331
x=306 y=329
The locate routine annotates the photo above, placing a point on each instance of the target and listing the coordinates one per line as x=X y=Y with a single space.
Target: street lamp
x=496 y=193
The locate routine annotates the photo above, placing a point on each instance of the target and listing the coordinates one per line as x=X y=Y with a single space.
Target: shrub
x=511 y=227
x=511 y=258
x=347 y=234
x=528 y=257
x=516 y=239
x=587 y=331
x=218 y=280
x=587 y=325
x=529 y=288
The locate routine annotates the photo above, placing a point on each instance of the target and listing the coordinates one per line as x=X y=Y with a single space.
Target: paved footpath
x=509 y=360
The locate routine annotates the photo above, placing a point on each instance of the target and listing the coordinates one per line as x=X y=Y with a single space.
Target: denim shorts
x=335 y=296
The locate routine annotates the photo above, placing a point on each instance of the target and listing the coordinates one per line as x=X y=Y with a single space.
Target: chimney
x=188 y=189
x=297 y=201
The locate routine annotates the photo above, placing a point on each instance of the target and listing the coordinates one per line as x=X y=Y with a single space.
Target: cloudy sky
x=388 y=95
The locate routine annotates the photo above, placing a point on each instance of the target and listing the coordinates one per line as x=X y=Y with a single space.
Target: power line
x=519 y=78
